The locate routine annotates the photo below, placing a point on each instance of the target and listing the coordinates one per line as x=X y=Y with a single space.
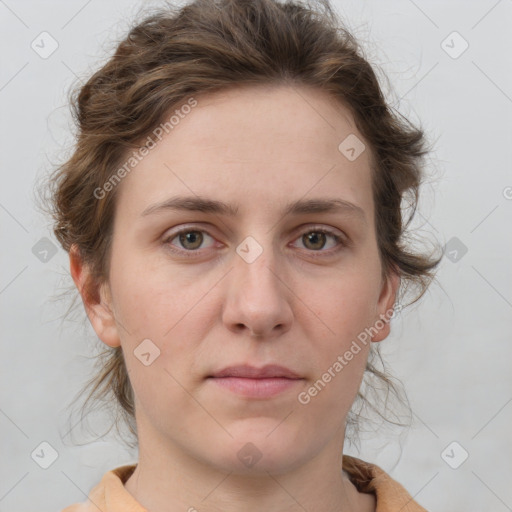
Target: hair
x=207 y=46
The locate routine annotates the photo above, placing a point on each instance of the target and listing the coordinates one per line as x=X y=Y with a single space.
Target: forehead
x=263 y=145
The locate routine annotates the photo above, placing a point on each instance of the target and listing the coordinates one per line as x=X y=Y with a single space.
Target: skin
x=258 y=148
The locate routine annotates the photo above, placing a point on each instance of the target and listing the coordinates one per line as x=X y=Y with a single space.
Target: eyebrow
x=301 y=206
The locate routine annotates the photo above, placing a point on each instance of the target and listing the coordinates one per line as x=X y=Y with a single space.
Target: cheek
x=339 y=363
x=344 y=311
x=346 y=304
x=151 y=309
x=149 y=300
x=173 y=311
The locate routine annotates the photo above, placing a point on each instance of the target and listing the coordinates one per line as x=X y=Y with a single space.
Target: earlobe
x=385 y=306
x=96 y=299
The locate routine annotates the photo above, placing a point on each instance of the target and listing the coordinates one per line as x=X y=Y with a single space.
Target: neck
x=171 y=479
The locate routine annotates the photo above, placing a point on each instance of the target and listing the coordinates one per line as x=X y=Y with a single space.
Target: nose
x=258 y=298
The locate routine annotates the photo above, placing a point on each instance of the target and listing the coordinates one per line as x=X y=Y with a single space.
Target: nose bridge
x=255 y=266
x=258 y=300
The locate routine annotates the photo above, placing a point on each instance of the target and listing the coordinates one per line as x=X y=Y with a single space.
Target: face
x=259 y=266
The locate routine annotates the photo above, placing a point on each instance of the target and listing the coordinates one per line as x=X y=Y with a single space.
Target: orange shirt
x=110 y=494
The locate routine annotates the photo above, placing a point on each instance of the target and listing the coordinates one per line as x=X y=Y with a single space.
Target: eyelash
x=341 y=242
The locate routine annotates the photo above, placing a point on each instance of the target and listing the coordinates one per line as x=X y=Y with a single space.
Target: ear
x=385 y=305
x=97 y=300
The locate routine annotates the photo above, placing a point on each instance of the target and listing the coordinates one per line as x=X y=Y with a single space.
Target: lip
x=251 y=382
x=250 y=372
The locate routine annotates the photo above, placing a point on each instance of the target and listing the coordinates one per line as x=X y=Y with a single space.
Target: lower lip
x=256 y=388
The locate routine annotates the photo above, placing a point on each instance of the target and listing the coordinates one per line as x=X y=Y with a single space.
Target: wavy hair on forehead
x=176 y=53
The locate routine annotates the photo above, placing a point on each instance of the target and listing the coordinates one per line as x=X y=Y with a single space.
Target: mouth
x=251 y=382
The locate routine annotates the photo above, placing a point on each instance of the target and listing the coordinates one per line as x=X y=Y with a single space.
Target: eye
x=189 y=239
x=315 y=239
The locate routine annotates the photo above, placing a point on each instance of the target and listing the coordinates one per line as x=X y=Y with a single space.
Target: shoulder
x=370 y=478
x=109 y=495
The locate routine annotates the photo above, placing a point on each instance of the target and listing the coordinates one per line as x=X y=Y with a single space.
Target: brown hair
x=207 y=46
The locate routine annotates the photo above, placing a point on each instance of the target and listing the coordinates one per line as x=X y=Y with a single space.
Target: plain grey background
x=453 y=351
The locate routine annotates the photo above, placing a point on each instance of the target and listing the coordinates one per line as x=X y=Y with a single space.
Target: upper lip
x=251 y=372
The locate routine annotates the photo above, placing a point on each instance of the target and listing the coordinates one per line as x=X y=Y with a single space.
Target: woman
x=232 y=217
